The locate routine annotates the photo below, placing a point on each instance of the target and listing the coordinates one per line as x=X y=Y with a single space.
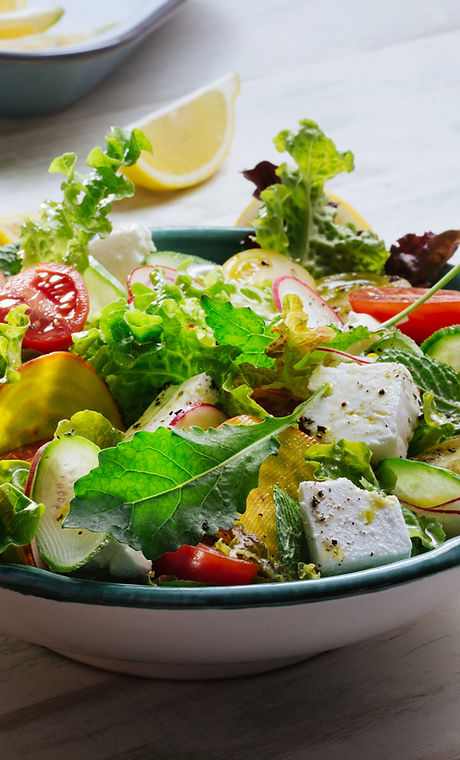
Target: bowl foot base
x=181 y=671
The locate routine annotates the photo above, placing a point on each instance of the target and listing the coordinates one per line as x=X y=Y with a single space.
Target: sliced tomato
x=205 y=564
x=441 y=310
x=58 y=304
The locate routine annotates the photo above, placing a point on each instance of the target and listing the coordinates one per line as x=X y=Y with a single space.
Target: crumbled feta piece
x=375 y=403
x=356 y=319
x=123 y=250
x=174 y=400
x=121 y=561
x=350 y=529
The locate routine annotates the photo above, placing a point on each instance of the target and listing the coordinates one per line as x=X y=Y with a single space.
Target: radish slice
x=344 y=355
x=202 y=415
x=142 y=275
x=318 y=310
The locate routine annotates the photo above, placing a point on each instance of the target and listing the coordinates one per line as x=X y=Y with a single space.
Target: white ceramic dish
x=218 y=632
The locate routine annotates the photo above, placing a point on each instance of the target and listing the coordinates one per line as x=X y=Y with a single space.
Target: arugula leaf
x=343 y=459
x=10 y=263
x=425 y=532
x=296 y=219
x=239 y=327
x=93 y=426
x=19 y=517
x=164 y=489
x=11 y=335
x=64 y=229
x=292 y=544
x=433 y=376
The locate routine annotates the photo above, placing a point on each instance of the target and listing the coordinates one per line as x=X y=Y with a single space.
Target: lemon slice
x=28 y=21
x=11 y=5
x=190 y=137
x=9 y=229
x=345 y=213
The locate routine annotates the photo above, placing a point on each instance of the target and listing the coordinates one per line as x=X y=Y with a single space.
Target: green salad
x=290 y=414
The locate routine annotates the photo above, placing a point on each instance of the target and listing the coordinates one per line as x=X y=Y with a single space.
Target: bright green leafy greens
x=11 y=335
x=296 y=218
x=93 y=426
x=343 y=459
x=18 y=515
x=163 y=489
x=10 y=263
x=64 y=229
x=425 y=532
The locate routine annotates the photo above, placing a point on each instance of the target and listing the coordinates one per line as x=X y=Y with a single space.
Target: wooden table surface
x=382 y=79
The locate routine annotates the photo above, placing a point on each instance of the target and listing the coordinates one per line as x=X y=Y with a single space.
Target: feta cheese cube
x=350 y=529
x=375 y=403
x=123 y=250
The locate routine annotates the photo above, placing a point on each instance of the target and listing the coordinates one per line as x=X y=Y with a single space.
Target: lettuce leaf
x=167 y=488
x=425 y=532
x=10 y=263
x=11 y=335
x=19 y=517
x=93 y=426
x=431 y=429
x=63 y=230
x=297 y=220
x=241 y=328
x=343 y=459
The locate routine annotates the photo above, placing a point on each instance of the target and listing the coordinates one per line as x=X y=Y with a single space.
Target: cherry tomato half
x=205 y=564
x=58 y=304
x=441 y=310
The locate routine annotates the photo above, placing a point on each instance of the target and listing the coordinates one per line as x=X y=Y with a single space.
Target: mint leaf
x=292 y=544
x=296 y=219
x=433 y=376
x=241 y=328
x=19 y=517
x=343 y=459
x=64 y=229
x=165 y=489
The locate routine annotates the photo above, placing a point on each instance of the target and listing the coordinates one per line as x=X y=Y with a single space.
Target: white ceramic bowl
x=218 y=632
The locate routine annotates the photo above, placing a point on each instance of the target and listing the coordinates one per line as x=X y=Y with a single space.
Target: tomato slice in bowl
x=441 y=310
x=58 y=304
x=205 y=564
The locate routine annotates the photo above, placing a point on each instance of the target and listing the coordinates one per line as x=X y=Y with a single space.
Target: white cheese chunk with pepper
x=375 y=403
x=350 y=529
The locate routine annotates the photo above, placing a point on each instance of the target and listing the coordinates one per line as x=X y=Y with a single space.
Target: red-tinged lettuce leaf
x=421 y=258
x=263 y=175
x=161 y=490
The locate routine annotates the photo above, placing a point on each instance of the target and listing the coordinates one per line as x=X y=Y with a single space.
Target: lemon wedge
x=10 y=227
x=190 y=137
x=44 y=41
x=345 y=213
x=11 y=5
x=28 y=21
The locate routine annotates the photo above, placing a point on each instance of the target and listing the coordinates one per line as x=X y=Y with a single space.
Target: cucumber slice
x=431 y=491
x=196 y=267
x=103 y=288
x=444 y=345
x=61 y=463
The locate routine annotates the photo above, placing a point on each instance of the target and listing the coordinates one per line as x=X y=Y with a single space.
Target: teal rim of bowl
x=45 y=584
x=218 y=244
